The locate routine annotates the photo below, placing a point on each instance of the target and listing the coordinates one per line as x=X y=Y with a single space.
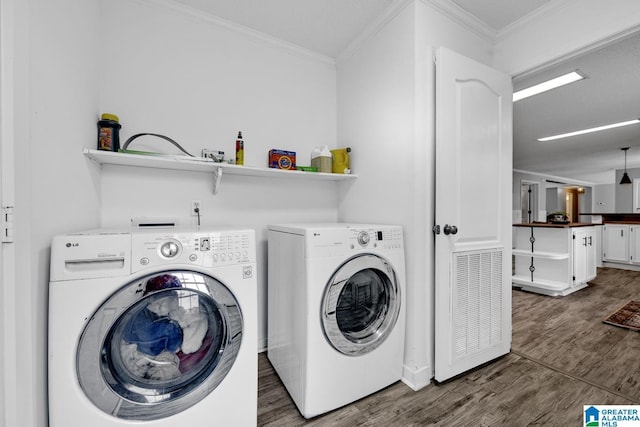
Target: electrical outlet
x=196 y=208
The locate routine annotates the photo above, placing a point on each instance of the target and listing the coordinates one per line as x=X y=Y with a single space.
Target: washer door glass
x=360 y=305
x=159 y=345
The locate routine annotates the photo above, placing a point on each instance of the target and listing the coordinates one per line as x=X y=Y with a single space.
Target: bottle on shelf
x=321 y=159
x=108 y=132
x=239 y=150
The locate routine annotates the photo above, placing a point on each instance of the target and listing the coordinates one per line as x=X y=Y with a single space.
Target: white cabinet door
x=634 y=244
x=616 y=243
x=584 y=254
x=580 y=242
x=592 y=253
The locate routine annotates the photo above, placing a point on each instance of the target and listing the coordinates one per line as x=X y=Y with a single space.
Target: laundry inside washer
x=153 y=325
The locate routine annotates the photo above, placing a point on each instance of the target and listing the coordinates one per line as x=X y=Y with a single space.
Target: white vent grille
x=477 y=301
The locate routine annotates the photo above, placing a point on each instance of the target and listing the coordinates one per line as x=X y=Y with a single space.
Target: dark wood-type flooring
x=562 y=358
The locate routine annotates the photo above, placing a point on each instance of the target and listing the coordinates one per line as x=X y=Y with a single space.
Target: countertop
x=617 y=218
x=552 y=225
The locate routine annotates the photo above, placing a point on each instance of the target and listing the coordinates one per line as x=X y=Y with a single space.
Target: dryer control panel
x=206 y=248
x=378 y=238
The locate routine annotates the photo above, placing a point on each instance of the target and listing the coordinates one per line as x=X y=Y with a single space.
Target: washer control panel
x=202 y=248
x=229 y=248
x=170 y=249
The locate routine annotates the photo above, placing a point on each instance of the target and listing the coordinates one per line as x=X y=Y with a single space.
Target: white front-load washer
x=336 y=311
x=153 y=327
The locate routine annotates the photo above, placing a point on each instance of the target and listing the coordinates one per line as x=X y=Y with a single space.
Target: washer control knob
x=363 y=238
x=170 y=249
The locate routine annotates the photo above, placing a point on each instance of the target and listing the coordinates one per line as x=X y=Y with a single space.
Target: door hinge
x=7 y=224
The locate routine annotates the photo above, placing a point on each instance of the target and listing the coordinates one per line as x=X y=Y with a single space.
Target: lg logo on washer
x=72 y=245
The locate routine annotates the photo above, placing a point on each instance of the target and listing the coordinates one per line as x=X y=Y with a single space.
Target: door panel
x=616 y=242
x=159 y=345
x=477 y=152
x=361 y=304
x=473 y=193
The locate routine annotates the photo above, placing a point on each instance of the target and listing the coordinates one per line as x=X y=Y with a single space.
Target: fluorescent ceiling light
x=565 y=79
x=596 y=129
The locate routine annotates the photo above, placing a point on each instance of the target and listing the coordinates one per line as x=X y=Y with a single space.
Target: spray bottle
x=239 y=150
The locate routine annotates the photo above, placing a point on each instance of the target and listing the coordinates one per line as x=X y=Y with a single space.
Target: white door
x=473 y=210
x=529 y=201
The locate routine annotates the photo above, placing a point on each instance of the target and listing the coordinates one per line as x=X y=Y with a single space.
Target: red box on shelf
x=281 y=159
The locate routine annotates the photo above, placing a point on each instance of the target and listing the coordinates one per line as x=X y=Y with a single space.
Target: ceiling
x=610 y=94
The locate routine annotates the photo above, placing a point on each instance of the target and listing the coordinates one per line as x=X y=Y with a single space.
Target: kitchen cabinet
x=636 y=195
x=634 y=243
x=554 y=259
x=615 y=245
x=584 y=254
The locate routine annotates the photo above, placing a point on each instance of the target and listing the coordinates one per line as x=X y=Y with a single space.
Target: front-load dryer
x=336 y=311
x=153 y=327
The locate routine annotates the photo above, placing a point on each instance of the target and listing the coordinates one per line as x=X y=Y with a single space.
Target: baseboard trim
x=416 y=379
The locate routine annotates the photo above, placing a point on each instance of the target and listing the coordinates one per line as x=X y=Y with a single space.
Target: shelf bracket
x=217 y=176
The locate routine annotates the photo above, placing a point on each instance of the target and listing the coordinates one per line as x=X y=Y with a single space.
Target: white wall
x=624 y=192
x=385 y=111
x=56 y=96
x=193 y=78
x=604 y=200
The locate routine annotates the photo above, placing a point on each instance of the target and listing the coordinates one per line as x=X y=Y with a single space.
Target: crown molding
x=569 y=181
x=464 y=18
x=554 y=6
x=445 y=7
x=241 y=30
x=613 y=38
x=372 y=29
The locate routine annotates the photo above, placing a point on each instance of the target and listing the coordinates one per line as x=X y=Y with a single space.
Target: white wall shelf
x=200 y=164
x=547 y=255
x=546 y=287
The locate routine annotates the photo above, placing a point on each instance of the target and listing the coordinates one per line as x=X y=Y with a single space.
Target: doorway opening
x=529 y=201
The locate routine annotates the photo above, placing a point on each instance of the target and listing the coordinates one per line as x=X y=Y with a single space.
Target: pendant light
x=625 y=177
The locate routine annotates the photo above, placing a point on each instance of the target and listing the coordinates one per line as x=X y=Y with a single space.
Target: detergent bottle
x=321 y=159
x=341 y=160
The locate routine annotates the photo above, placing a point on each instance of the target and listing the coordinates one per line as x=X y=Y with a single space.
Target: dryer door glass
x=159 y=345
x=361 y=304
